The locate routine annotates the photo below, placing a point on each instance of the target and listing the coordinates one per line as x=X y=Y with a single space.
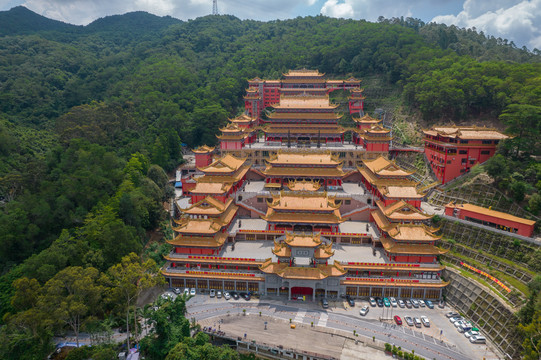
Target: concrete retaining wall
x=477 y=303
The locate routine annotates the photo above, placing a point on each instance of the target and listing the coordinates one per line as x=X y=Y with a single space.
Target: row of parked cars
x=466 y=327
x=411 y=321
x=228 y=295
x=407 y=303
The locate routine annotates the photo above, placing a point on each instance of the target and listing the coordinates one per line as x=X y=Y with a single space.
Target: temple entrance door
x=303 y=141
x=298 y=292
x=302 y=228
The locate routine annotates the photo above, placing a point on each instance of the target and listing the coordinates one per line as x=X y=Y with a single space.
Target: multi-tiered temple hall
x=291 y=203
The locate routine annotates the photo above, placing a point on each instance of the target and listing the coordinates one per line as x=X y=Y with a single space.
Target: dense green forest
x=92 y=118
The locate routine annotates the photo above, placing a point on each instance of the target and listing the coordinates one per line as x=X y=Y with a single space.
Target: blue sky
x=516 y=20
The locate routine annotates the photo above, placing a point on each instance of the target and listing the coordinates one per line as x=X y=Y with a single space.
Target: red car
x=398 y=320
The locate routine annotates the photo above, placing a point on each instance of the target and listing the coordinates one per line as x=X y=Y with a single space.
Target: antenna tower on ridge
x=214 y=7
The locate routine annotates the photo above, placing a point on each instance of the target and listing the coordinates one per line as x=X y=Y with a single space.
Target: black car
x=245 y=296
x=234 y=295
x=379 y=301
x=350 y=301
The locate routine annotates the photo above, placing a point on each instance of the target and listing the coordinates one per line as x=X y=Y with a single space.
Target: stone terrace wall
x=495 y=319
x=492 y=243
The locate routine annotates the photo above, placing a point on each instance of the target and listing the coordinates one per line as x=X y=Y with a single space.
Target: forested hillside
x=92 y=117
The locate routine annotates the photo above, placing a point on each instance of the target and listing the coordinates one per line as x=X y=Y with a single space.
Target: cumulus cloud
x=518 y=21
x=372 y=9
x=333 y=8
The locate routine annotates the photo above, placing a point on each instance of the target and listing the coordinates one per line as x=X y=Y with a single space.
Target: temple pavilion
x=221 y=178
x=317 y=165
x=202 y=229
x=303 y=211
x=302 y=266
x=389 y=182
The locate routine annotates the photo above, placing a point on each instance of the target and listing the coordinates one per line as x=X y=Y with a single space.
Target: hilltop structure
x=453 y=150
x=303 y=211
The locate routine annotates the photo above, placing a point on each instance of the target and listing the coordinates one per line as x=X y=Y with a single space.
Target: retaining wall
x=477 y=303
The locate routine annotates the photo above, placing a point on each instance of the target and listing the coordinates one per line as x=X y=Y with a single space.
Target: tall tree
x=523 y=122
x=128 y=279
x=71 y=295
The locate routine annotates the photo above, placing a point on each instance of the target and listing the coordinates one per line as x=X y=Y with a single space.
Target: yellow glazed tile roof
x=493 y=213
x=303 y=240
x=409 y=192
x=203 y=149
x=304 y=158
x=304 y=201
x=199 y=241
x=304 y=102
x=383 y=167
x=208 y=206
x=411 y=249
x=466 y=132
x=296 y=217
x=301 y=185
x=406 y=232
x=401 y=210
x=226 y=164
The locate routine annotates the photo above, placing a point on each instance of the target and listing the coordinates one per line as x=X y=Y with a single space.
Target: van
x=324 y=303
x=464 y=328
x=478 y=339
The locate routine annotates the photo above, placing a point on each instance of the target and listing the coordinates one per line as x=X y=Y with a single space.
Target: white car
x=421 y=303
x=401 y=303
x=478 y=339
x=219 y=294
x=417 y=322
x=167 y=296
x=461 y=323
x=227 y=295
x=192 y=291
x=425 y=321
x=364 y=310
x=393 y=302
x=186 y=291
x=471 y=333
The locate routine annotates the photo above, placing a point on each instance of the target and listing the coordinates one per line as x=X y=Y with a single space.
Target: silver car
x=401 y=303
x=471 y=333
x=364 y=310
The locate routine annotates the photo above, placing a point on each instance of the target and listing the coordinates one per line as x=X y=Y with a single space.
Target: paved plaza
x=330 y=332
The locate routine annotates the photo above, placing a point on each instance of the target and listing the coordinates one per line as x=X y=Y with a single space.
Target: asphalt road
x=201 y=307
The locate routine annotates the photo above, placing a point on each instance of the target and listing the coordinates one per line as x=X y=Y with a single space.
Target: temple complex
x=291 y=203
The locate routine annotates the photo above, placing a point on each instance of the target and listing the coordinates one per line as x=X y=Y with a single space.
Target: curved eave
x=393 y=283
x=211 y=276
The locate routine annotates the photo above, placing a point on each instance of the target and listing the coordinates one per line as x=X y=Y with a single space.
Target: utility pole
x=214 y=7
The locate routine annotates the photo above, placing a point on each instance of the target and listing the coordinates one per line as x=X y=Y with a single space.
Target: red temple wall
x=523 y=229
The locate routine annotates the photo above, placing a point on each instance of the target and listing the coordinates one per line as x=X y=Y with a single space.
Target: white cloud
x=333 y=8
x=518 y=21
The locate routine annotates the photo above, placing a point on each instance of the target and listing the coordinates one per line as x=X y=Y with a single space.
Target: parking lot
x=440 y=326
x=340 y=316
